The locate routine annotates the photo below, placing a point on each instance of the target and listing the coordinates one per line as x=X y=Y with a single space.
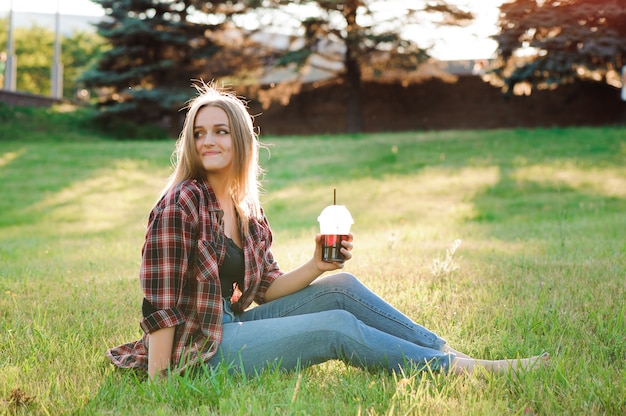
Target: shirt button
x=206 y=243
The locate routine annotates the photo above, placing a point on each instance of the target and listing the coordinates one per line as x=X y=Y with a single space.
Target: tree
x=157 y=49
x=563 y=40
x=79 y=52
x=34 y=51
x=374 y=41
x=33 y=48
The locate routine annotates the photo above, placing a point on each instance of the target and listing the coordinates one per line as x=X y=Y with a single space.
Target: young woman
x=207 y=257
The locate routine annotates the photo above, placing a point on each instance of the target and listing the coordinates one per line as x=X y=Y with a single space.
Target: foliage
x=561 y=41
x=67 y=123
x=79 y=53
x=540 y=213
x=157 y=49
x=34 y=51
x=373 y=42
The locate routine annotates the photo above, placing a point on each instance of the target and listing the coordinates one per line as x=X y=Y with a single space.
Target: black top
x=231 y=271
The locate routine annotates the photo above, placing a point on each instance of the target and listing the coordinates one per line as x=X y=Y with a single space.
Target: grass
x=541 y=266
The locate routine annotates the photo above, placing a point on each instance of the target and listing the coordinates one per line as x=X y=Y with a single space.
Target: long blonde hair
x=243 y=179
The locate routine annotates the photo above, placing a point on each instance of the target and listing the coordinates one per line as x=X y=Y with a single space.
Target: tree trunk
x=355 y=122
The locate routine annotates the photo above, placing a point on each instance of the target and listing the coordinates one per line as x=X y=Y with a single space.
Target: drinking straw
x=335 y=202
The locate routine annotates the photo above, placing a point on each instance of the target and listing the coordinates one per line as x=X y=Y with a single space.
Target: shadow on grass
x=510 y=208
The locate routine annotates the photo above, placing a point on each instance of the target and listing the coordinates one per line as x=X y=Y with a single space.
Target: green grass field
x=542 y=267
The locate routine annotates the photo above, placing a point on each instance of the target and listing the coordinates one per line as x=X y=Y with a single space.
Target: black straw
x=335 y=196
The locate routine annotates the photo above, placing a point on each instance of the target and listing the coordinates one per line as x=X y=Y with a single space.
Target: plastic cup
x=335 y=223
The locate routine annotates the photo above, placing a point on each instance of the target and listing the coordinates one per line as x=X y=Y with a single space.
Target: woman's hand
x=160 y=345
x=326 y=266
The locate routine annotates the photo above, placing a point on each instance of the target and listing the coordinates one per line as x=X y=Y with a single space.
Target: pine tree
x=156 y=52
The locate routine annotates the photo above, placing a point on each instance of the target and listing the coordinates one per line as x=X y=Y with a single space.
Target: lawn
x=541 y=266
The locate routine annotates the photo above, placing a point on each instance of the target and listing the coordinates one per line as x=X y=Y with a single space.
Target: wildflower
x=445 y=267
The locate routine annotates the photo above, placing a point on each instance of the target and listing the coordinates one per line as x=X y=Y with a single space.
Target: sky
x=449 y=43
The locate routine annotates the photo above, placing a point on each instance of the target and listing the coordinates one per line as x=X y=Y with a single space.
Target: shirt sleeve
x=271 y=273
x=271 y=270
x=165 y=263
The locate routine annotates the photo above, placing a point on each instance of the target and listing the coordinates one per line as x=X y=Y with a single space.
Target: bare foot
x=461 y=365
x=449 y=350
x=532 y=363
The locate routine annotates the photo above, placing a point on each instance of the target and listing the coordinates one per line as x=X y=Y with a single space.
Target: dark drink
x=331 y=247
x=335 y=222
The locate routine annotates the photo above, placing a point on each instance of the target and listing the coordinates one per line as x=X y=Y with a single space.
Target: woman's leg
x=343 y=291
x=303 y=340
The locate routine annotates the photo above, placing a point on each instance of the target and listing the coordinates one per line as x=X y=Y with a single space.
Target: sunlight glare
x=605 y=182
x=119 y=196
x=427 y=197
x=9 y=157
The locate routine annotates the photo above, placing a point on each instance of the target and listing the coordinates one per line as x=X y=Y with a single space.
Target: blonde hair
x=243 y=180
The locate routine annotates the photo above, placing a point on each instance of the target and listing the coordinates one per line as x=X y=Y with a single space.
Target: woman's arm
x=160 y=350
x=303 y=276
x=165 y=266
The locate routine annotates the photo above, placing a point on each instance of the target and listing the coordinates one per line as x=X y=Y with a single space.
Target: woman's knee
x=339 y=287
x=340 y=281
x=341 y=323
x=339 y=318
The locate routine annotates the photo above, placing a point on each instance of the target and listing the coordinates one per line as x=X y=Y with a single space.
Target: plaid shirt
x=185 y=245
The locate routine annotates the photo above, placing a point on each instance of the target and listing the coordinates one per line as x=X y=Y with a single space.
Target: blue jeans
x=336 y=317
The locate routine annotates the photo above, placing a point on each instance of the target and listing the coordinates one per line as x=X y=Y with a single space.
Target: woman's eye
x=198 y=134
x=221 y=131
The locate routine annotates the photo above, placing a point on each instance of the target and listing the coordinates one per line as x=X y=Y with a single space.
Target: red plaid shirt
x=185 y=244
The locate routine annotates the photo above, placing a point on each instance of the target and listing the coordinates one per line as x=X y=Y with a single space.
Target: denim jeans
x=336 y=317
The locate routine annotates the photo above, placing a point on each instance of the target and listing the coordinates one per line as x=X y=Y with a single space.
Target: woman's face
x=214 y=145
